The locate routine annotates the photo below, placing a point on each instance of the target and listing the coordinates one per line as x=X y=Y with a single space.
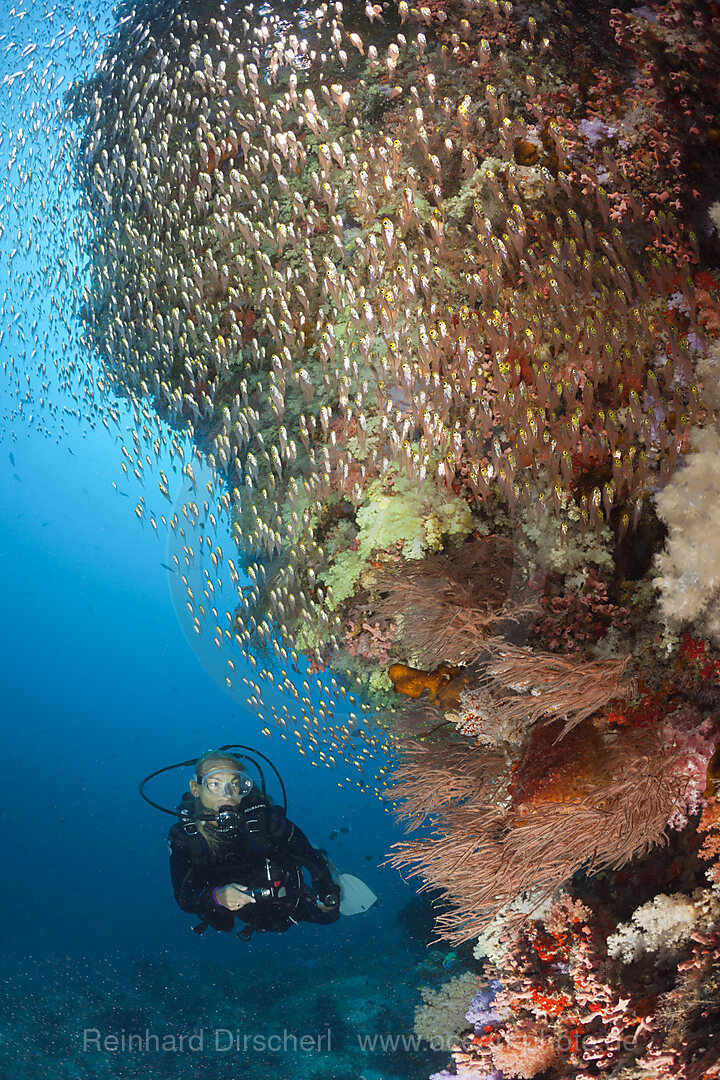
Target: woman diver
x=235 y=854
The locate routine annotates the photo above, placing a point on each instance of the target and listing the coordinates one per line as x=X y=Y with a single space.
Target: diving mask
x=227 y=784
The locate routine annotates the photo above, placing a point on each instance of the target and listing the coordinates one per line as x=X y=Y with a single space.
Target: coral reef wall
x=434 y=291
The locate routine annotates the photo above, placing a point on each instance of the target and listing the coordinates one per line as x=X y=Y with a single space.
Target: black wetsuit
x=267 y=851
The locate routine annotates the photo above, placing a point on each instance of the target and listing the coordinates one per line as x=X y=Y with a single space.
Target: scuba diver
x=235 y=854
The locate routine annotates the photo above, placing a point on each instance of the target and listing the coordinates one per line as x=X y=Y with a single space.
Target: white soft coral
x=689 y=581
x=660 y=927
x=664 y=925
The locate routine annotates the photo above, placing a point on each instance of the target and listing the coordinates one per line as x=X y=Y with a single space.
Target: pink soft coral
x=525 y=1051
x=691 y=742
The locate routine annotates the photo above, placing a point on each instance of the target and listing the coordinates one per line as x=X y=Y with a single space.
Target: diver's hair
x=212 y=759
x=212 y=839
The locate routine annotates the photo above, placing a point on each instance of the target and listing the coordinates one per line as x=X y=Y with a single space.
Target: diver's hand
x=233 y=897
x=329 y=899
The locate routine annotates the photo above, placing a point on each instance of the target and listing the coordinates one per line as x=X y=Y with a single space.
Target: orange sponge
x=441 y=684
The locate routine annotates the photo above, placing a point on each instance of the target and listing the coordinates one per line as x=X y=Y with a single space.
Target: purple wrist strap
x=215 y=899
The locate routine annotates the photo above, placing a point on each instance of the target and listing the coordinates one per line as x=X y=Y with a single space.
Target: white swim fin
x=355 y=896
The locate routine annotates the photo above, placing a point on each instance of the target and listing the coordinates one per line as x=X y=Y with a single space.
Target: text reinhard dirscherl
x=217 y=1040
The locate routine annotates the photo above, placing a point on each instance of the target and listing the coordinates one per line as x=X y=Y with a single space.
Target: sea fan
x=484 y=855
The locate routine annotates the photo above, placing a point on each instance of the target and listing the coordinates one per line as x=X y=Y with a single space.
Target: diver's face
x=219 y=787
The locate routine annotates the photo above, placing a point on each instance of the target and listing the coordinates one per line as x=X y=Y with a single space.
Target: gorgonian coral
x=597 y=802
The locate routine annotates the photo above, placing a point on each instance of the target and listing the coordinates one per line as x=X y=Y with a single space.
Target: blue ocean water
x=101 y=685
